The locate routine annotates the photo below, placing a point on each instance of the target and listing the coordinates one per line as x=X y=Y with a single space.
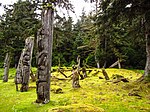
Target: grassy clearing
x=95 y=95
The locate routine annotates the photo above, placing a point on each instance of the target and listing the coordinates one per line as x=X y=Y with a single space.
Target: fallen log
x=116 y=63
x=94 y=74
x=62 y=73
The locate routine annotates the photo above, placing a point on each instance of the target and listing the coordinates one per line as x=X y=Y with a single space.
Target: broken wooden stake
x=75 y=79
x=105 y=74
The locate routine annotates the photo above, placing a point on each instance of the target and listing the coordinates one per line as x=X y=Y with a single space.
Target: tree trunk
x=44 y=42
x=119 y=65
x=78 y=61
x=105 y=62
x=98 y=65
x=97 y=62
x=147 y=66
x=105 y=48
x=96 y=9
x=78 y=67
x=147 y=36
x=26 y=63
x=6 y=67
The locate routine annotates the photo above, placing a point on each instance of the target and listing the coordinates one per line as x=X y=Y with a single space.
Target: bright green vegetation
x=95 y=95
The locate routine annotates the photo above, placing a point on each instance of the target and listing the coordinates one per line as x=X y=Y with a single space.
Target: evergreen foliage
x=135 y=15
x=19 y=22
x=101 y=36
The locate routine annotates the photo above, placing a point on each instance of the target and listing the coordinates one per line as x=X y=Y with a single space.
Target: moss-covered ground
x=95 y=94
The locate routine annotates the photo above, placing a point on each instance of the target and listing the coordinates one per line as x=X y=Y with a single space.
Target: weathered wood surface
x=18 y=76
x=24 y=65
x=105 y=74
x=78 y=67
x=116 y=63
x=62 y=73
x=75 y=79
x=44 y=42
x=6 y=67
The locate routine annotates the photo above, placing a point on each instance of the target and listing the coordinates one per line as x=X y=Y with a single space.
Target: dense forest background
x=91 y=37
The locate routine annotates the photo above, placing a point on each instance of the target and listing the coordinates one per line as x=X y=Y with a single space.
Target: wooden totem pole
x=6 y=67
x=24 y=65
x=45 y=42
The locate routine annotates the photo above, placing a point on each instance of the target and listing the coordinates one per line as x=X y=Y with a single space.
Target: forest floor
x=95 y=95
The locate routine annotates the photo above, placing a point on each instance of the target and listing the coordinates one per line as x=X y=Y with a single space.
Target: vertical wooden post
x=44 y=42
x=6 y=67
x=18 y=77
x=75 y=78
x=26 y=63
x=119 y=65
x=78 y=67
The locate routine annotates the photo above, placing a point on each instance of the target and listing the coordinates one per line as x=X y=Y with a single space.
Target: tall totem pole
x=44 y=59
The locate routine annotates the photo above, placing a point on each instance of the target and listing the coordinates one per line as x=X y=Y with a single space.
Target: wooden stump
x=75 y=79
x=105 y=74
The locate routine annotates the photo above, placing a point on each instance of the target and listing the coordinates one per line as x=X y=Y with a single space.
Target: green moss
x=77 y=108
x=95 y=95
